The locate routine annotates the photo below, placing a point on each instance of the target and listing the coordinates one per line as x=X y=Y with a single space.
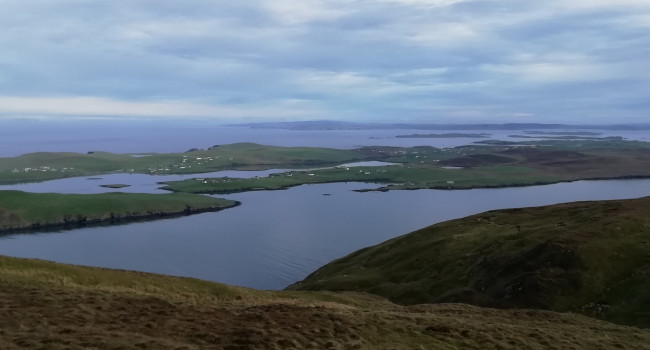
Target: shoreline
x=386 y=188
x=111 y=220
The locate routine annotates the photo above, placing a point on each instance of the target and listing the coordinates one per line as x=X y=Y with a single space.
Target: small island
x=115 y=186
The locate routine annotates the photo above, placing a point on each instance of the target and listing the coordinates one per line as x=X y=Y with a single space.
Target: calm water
x=24 y=136
x=278 y=237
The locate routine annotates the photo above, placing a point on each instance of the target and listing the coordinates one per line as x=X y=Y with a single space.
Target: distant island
x=443 y=136
x=566 y=137
x=564 y=133
x=116 y=186
x=340 y=125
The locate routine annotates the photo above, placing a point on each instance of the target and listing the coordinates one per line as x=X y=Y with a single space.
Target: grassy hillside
x=53 y=306
x=23 y=210
x=43 y=166
x=500 y=164
x=588 y=257
x=472 y=166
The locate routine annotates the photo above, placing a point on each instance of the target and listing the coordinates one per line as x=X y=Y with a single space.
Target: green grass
x=394 y=178
x=536 y=162
x=20 y=210
x=543 y=162
x=589 y=257
x=46 y=166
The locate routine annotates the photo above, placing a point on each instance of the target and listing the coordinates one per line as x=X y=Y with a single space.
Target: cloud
x=98 y=106
x=358 y=59
x=301 y=11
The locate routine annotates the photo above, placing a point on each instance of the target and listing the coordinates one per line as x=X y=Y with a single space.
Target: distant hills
x=341 y=125
x=588 y=257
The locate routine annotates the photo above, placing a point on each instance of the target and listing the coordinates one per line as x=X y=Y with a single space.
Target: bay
x=276 y=238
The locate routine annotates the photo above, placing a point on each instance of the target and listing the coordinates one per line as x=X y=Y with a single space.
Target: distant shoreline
x=443 y=136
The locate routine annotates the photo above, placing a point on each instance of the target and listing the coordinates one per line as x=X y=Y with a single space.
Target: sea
x=275 y=238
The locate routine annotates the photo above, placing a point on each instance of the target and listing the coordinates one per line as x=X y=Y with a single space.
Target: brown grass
x=53 y=306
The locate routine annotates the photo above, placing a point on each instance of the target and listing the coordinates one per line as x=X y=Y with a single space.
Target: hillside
x=53 y=306
x=588 y=257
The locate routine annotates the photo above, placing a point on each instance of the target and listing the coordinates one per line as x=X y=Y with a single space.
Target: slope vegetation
x=30 y=211
x=53 y=306
x=588 y=257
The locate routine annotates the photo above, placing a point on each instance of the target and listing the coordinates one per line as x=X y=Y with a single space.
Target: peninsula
x=36 y=211
x=499 y=164
x=590 y=259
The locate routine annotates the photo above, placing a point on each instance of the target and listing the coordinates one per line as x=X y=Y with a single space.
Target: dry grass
x=53 y=306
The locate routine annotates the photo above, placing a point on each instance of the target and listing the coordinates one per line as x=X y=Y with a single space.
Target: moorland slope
x=586 y=257
x=46 y=305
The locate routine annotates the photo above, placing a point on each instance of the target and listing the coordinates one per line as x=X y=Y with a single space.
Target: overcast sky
x=573 y=61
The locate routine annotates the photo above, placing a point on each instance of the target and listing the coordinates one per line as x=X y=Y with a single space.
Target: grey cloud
x=369 y=59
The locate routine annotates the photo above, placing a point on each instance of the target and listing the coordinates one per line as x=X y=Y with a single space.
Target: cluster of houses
x=185 y=163
x=41 y=169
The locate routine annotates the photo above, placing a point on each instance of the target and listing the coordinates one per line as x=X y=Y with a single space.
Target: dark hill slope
x=586 y=257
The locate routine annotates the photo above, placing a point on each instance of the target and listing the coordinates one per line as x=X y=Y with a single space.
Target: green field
x=500 y=163
x=586 y=257
x=532 y=163
x=395 y=178
x=23 y=210
x=44 y=166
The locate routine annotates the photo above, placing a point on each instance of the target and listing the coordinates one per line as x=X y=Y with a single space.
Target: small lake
x=276 y=238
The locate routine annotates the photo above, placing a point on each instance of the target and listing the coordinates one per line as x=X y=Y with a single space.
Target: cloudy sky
x=365 y=60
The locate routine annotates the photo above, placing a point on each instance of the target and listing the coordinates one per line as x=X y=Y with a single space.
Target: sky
x=433 y=61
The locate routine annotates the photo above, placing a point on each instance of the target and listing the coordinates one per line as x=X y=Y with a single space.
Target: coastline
x=112 y=219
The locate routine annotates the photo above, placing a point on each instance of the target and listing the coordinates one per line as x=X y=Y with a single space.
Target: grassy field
x=534 y=163
x=23 y=210
x=499 y=164
x=395 y=178
x=47 y=166
x=588 y=257
x=54 y=306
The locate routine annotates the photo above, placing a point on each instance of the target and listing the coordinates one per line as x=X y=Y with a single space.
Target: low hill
x=588 y=257
x=54 y=306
